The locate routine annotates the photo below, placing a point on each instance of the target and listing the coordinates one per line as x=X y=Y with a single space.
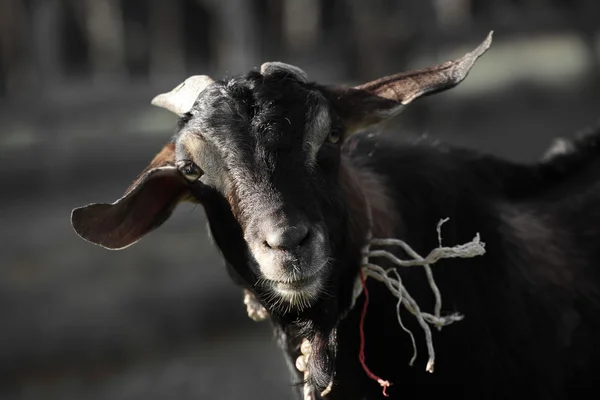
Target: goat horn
x=181 y=99
x=273 y=66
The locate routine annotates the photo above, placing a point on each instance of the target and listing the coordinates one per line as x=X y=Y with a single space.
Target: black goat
x=288 y=192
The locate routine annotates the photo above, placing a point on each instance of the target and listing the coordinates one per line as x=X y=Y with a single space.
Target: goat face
x=268 y=145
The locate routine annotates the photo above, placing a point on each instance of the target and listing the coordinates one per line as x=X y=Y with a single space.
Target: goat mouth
x=298 y=294
x=298 y=285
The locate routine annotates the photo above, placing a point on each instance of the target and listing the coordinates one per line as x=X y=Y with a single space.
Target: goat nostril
x=273 y=240
x=304 y=240
x=287 y=238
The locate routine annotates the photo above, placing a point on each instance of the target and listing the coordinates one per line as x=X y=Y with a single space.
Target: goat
x=291 y=194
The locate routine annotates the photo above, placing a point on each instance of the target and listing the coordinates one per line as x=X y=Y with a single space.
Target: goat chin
x=293 y=296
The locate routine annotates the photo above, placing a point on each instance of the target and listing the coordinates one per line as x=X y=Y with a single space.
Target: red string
x=361 y=354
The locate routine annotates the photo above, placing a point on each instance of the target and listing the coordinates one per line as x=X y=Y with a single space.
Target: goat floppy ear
x=146 y=205
x=375 y=101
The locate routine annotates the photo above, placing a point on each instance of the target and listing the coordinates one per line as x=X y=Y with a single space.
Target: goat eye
x=334 y=136
x=190 y=171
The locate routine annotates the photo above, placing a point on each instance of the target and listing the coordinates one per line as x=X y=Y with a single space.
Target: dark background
x=161 y=319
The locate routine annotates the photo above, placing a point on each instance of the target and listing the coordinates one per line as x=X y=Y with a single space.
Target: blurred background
x=161 y=319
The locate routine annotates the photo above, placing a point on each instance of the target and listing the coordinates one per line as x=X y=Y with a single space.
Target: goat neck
x=370 y=207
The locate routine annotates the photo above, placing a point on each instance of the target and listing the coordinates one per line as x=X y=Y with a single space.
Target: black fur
x=531 y=303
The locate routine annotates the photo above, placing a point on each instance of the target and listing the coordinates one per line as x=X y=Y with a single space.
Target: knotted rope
x=391 y=278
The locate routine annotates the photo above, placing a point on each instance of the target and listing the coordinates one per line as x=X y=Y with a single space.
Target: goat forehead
x=265 y=122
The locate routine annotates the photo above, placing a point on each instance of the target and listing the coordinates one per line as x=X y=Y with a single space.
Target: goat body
x=291 y=193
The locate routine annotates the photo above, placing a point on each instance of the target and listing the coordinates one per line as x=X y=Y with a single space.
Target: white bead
x=301 y=363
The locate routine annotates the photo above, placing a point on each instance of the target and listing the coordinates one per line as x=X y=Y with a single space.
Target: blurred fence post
x=167 y=56
x=103 y=22
x=237 y=26
x=46 y=44
x=15 y=58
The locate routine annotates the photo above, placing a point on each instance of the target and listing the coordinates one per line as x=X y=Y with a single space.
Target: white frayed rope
x=395 y=286
x=391 y=278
